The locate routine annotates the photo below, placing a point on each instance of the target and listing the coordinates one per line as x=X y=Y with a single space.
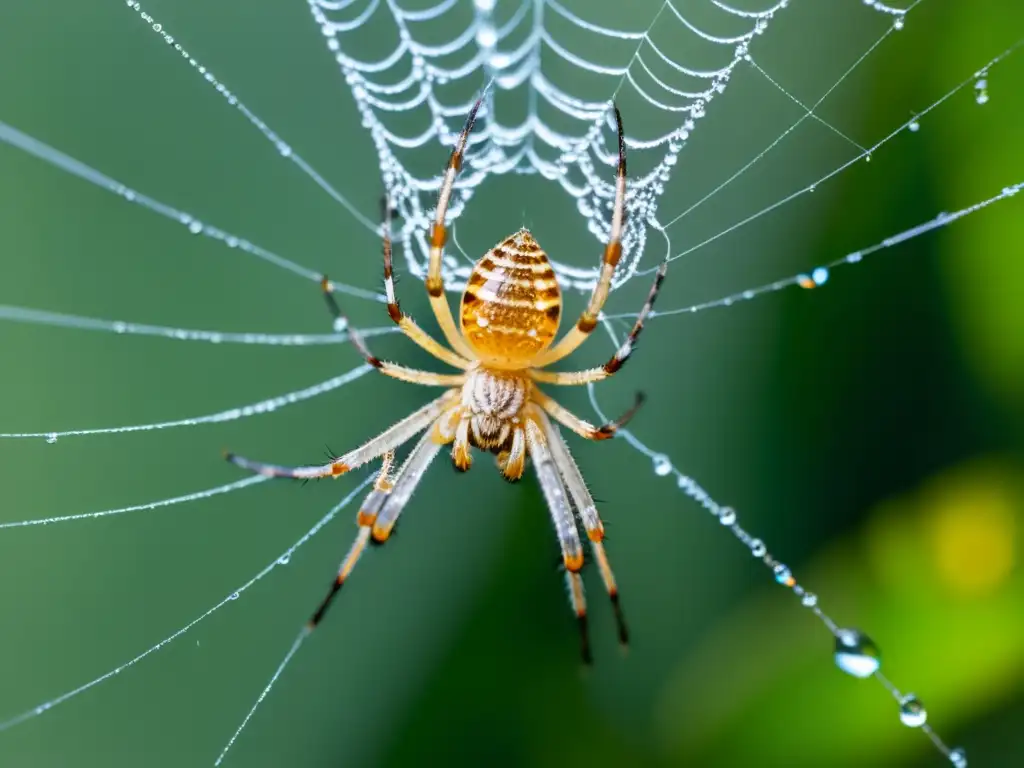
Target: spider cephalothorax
x=508 y=320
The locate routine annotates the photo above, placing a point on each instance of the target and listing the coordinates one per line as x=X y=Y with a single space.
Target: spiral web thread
x=517 y=48
x=530 y=146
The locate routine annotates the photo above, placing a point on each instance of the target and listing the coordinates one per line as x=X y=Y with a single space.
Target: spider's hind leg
x=565 y=527
x=590 y=518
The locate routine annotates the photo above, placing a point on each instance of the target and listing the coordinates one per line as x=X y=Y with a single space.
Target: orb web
x=547 y=113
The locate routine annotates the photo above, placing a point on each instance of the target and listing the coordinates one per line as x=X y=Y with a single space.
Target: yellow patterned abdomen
x=512 y=303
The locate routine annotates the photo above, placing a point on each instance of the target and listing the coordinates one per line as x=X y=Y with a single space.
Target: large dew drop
x=662 y=464
x=912 y=711
x=856 y=653
x=958 y=758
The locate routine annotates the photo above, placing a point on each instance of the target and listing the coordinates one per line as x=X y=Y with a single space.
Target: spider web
x=546 y=113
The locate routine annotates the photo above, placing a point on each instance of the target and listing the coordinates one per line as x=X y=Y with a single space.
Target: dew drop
x=981 y=90
x=820 y=275
x=284 y=149
x=284 y=559
x=232 y=242
x=727 y=516
x=809 y=599
x=912 y=711
x=195 y=226
x=914 y=126
x=898 y=23
x=340 y=324
x=783 y=575
x=958 y=758
x=233 y=596
x=486 y=36
x=51 y=438
x=120 y=327
x=757 y=548
x=662 y=464
x=856 y=653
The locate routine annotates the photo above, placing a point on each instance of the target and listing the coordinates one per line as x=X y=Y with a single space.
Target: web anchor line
x=267 y=405
x=283 y=559
x=854 y=652
x=43 y=151
x=820 y=275
x=43 y=317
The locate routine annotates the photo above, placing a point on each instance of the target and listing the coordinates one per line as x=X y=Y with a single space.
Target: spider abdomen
x=512 y=303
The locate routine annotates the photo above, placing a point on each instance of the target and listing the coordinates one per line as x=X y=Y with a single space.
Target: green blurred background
x=870 y=432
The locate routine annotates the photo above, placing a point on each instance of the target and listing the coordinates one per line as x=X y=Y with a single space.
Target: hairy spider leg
x=438 y=237
x=388 y=440
x=565 y=526
x=616 y=361
x=395 y=371
x=612 y=253
x=583 y=428
x=367 y=514
x=584 y=502
x=405 y=322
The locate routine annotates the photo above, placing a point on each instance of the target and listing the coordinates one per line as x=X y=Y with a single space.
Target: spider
x=509 y=317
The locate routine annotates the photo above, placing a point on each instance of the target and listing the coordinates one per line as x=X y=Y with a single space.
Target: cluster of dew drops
x=854 y=653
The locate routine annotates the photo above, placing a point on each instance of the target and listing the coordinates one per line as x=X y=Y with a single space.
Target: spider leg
x=407 y=325
x=616 y=361
x=395 y=371
x=438 y=237
x=584 y=502
x=367 y=514
x=565 y=527
x=583 y=428
x=612 y=253
x=387 y=440
x=379 y=512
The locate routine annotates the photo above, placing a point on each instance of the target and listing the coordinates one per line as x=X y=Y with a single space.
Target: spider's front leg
x=616 y=361
x=395 y=371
